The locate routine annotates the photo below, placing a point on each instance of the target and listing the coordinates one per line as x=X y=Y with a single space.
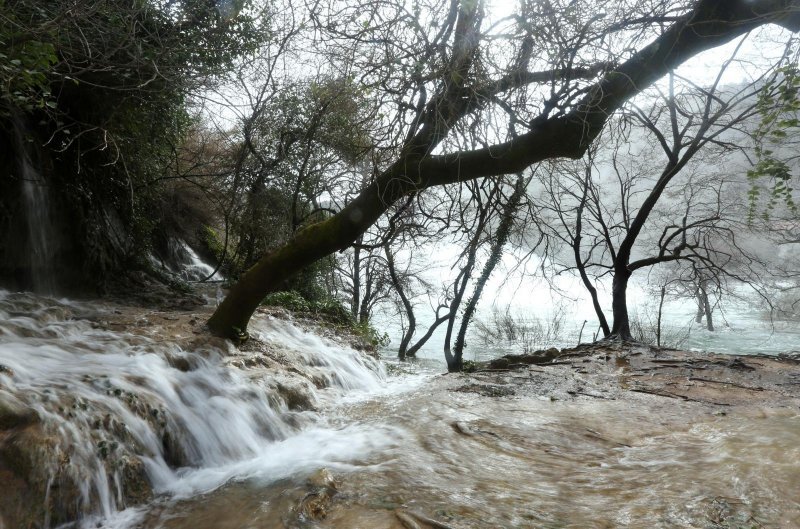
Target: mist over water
x=743 y=325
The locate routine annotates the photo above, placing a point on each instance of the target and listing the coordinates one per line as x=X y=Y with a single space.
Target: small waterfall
x=194 y=268
x=37 y=209
x=127 y=416
x=182 y=261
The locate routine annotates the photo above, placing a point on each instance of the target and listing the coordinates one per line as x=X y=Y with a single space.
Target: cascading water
x=185 y=263
x=122 y=421
x=120 y=416
x=37 y=208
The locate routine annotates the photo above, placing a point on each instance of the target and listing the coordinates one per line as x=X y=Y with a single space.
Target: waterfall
x=190 y=266
x=131 y=415
x=41 y=232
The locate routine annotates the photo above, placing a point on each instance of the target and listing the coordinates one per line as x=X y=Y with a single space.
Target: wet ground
x=599 y=437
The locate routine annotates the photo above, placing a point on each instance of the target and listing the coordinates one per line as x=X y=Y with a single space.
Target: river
x=149 y=424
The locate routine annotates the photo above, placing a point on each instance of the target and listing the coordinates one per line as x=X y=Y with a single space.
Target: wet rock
x=500 y=363
x=206 y=343
x=13 y=413
x=487 y=390
x=38 y=484
x=174 y=454
x=537 y=357
x=30 y=460
x=462 y=428
x=296 y=396
x=315 y=506
x=737 y=363
x=137 y=488
x=317 y=503
x=322 y=478
x=181 y=363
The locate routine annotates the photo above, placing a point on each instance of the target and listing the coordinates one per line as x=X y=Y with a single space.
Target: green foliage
x=329 y=310
x=779 y=108
x=469 y=366
x=212 y=240
x=371 y=334
x=104 y=86
x=310 y=282
x=296 y=139
x=291 y=300
x=24 y=69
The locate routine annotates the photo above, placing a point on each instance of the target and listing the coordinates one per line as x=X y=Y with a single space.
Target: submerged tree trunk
x=706 y=307
x=701 y=308
x=355 y=300
x=661 y=296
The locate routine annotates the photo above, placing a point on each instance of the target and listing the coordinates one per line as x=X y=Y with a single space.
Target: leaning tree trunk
x=306 y=247
x=495 y=253
x=579 y=263
x=408 y=307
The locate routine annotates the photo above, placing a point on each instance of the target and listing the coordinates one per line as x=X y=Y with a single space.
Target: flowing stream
x=218 y=438
x=191 y=419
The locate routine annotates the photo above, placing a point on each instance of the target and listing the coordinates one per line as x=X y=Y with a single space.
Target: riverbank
x=299 y=430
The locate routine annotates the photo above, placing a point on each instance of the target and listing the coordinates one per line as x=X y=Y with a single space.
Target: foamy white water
x=195 y=269
x=112 y=397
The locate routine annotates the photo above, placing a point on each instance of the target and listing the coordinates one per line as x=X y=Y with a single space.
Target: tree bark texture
x=621 y=329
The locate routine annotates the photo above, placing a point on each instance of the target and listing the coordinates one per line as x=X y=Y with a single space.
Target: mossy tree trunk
x=455 y=362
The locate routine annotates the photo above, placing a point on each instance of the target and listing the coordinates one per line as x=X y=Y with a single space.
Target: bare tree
x=697 y=226
x=457 y=88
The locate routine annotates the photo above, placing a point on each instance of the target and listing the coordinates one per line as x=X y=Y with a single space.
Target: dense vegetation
x=98 y=95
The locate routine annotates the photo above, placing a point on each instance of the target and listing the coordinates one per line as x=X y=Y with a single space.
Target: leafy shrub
x=291 y=300
x=371 y=334
x=329 y=310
